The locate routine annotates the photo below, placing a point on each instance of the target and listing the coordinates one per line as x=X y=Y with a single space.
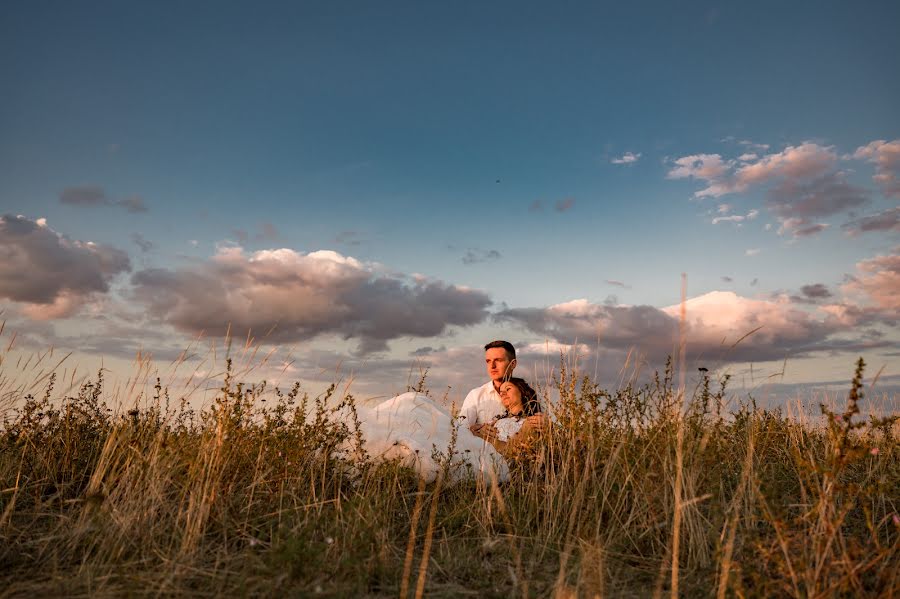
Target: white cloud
x=736 y=218
x=627 y=158
x=752 y=252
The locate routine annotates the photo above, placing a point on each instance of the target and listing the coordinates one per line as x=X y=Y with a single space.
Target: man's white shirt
x=481 y=405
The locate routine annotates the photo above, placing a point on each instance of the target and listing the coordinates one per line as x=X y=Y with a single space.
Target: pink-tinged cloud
x=719 y=319
x=801 y=183
x=886 y=156
x=877 y=284
x=705 y=167
x=794 y=163
x=806 y=161
x=49 y=273
x=286 y=296
x=716 y=321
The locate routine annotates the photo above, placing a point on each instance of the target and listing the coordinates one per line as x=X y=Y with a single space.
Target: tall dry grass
x=247 y=497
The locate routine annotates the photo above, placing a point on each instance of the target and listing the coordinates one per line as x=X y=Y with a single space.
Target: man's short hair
x=510 y=350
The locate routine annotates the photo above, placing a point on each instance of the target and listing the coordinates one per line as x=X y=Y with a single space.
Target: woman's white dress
x=413 y=428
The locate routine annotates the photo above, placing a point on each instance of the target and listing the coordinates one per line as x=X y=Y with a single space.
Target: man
x=483 y=403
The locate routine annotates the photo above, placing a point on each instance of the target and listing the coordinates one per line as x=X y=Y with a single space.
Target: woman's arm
x=531 y=430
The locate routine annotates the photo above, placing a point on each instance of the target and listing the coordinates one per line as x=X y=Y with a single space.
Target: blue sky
x=526 y=152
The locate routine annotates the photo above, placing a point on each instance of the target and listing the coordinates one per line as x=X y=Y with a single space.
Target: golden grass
x=640 y=490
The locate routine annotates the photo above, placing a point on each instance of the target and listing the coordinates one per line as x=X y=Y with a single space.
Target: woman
x=522 y=422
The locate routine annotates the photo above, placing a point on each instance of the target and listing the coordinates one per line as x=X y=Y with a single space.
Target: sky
x=365 y=191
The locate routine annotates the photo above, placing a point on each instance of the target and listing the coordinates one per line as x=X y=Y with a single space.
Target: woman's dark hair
x=530 y=403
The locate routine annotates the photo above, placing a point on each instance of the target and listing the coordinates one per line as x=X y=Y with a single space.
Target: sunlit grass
x=245 y=496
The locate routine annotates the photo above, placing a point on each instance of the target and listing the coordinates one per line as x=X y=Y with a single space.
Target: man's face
x=498 y=364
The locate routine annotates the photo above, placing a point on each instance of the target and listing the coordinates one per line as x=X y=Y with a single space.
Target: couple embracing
x=496 y=423
x=505 y=411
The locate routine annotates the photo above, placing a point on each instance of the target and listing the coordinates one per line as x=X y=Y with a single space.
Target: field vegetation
x=637 y=491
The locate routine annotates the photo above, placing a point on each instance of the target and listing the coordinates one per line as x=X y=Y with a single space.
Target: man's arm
x=469 y=410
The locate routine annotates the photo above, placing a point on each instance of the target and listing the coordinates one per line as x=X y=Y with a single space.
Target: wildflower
x=329 y=540
x=896 y=519
x=874 y=451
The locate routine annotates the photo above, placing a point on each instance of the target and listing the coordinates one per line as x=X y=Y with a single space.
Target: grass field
x=635 y=492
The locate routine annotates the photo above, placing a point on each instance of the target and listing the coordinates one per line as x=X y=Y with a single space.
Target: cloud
x=886 y=156
x=754 y=281
x=727 y=279
x=267 y=232
x=752 y=252
x=87 y=195
x=715 y=322
x=755 y=146
x=825 y=196
x=92 y=195
x=424 y=351
x=478 y=256
x=736 y=218
x=536 y=206
x=627 y=158
x=816 y=290
x=877 y=285
x=810 y=230
x=134 y=204
x=141 y=242
x=801 y=182
x=352 y=238
x=617 y=284
x=808 y=160
x=811 y=294
x=564 y=205
x=704 y=167
x=888 y=220
x=291 y=296
x=50 y=273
